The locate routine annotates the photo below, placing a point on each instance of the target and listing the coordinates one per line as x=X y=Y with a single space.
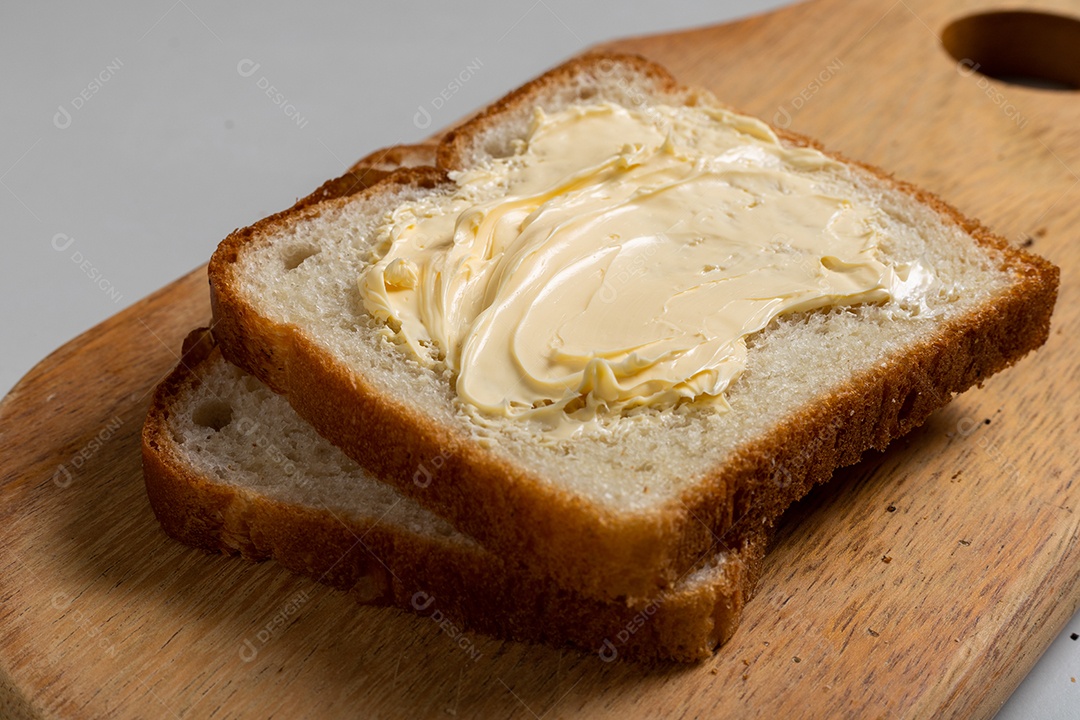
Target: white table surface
x=134 y=136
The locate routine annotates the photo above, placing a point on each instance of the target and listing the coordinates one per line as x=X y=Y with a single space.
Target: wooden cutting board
x=924 y=582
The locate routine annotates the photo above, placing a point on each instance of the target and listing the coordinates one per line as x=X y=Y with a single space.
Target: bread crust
x=371 y=169
x=582 y=546
x=396 y=567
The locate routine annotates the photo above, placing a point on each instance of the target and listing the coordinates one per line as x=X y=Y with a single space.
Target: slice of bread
x=628 y=510
x=231 y=468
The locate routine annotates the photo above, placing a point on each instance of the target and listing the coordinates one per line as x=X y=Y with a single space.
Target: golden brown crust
x=602 y=554
x=370 y=170
x=470 y=587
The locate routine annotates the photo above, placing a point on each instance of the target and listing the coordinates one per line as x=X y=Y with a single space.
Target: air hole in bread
x=299 y=255
x=907 y=406
x=213 y=414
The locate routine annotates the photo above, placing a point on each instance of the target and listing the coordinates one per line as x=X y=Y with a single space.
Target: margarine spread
x=619 y=258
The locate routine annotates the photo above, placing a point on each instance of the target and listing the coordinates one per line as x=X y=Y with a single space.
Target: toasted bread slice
x=231 y=468
x=628 y=512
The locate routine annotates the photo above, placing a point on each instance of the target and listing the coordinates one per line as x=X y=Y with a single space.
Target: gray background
x=137 y=179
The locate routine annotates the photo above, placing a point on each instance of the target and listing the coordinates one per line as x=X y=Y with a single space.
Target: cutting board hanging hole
x=1034 y=49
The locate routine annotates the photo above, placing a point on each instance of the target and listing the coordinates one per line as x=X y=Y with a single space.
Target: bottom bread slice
x=229 y=467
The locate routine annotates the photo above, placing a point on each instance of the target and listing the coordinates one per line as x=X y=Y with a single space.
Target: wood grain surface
x=923 y=582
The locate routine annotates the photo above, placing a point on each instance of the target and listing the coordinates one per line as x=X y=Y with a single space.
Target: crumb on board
x=886 y=559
